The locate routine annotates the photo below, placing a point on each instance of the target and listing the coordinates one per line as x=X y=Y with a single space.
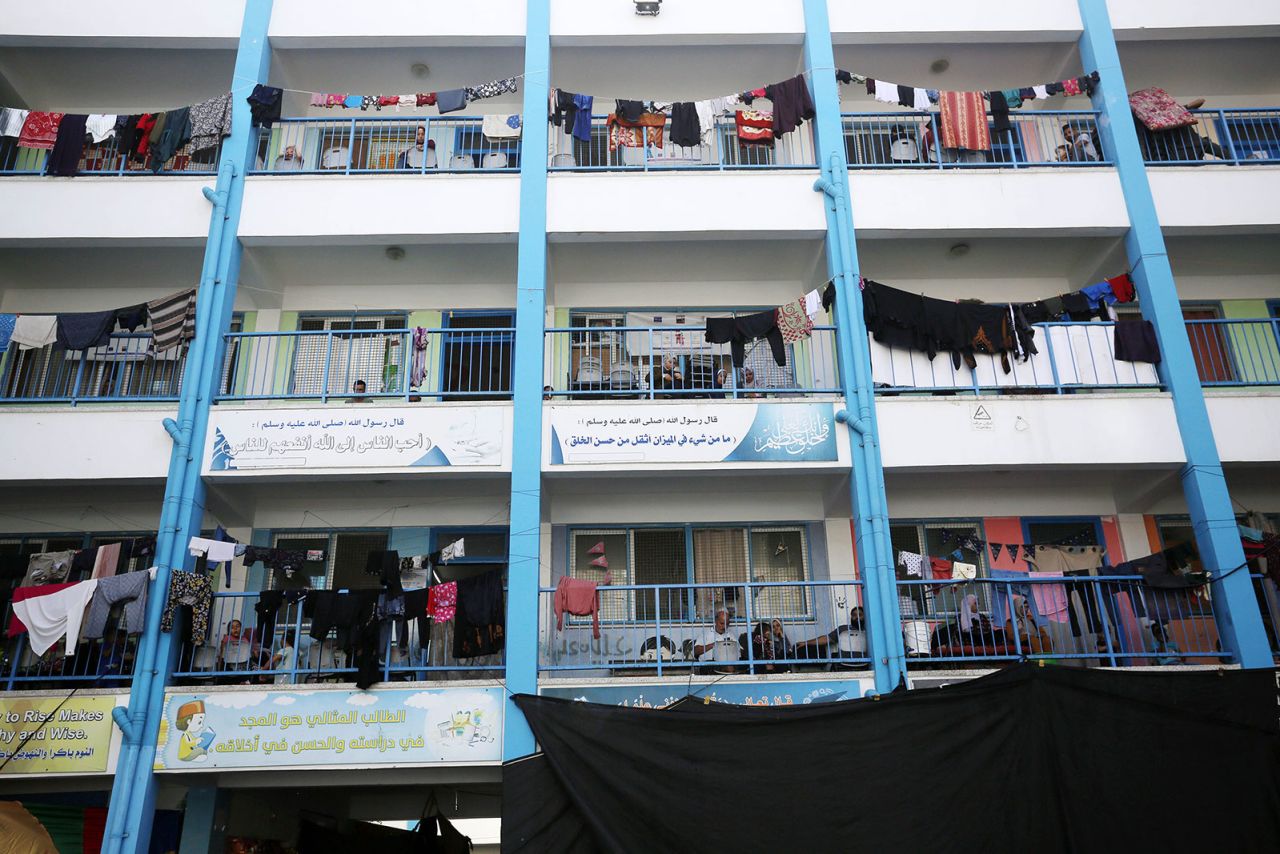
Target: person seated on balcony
x=358 y=391
x=284 y=659
x=1034 y=639
x=769 y=643
x=290 y=160
x=1166 y=651
x=415 y=155
x=1080 y=147
x=846 y=641
x=235 y=650
x=718 y=644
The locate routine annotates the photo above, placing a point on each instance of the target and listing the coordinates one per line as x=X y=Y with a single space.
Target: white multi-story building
x=524 y=313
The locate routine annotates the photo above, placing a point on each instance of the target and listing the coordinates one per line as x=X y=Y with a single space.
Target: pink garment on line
x=104 y=565
x=442 y=601
x=1051 y=599
x=579 y=597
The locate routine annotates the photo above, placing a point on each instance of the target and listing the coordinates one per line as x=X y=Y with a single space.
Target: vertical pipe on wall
x=524 y=551
x=133 y=791
x=870 y=507
x=1204 y=484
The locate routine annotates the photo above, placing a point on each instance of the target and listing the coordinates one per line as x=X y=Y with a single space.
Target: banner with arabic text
x=55 y=735
x=693 y=433
x=383 y=437
x=310 y=728
x=656 y=696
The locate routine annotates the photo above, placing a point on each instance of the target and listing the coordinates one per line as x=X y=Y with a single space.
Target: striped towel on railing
x=173 y=319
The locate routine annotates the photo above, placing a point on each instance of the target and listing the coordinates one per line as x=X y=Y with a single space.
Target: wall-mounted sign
x=44 y=735
x=693 y=433
x=656 y=696
x=244 y=440
x=309 y=728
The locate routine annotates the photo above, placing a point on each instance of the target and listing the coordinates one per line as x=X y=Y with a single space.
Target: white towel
x=455 y=549
x=886 y=92
x=812 y=303
x=217 y=550
x=49 y=617
x=501 y=126
x=35 y=330
x=100 y=126
x=1041 y=91
x=920 y=97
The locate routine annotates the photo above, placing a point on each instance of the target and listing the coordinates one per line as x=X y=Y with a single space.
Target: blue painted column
x=866 y=481
x=525 y=547
x=204 y=821
x=1213 y=519
x=133 y=792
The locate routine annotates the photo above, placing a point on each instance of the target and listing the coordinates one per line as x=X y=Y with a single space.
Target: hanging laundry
x=418 y=367
x=755 y=127
x=211 y=121
x=451 y=100
x=492 y=89
x=1066 y=558
x=1040 y=91
x=1135 y=341
x=906 y=96
x=792 y=104
x=500 y=126
x=964 y=121
x=39 y=130
x=7 y=322
x=940 y=569
x=920 y=99
x=479 y=625
x=146 y=125
x=597 y=549
x=686 y=130
x=100 y=127
x=965 y=571
x=55 y=615
x=130 y=590
x=1077 y=306
x=1089 y=83
x=387 y=101
x=173 y=320
x=829 y=296
x=12 y=121
x=28 y=591
x=601 y=562
x=911 y=562
x=1026 y=93
x=1071 y=87
x=1050 y=599
x=195 y=591
x=264 y=105
x=1122 y=287
x=106 y=561
x=843 y=76
x=812 y=303
x=453 y=551
x=580 y=598
x=793 y=321
x=442 y=601
x=737 y=331
x=176 y=134
x=216 y=550
x=85 y=330
x=629 y=110
x=646 y=131
x=1012 y=97
x=884 y=91
x=48 y=567
x=1099 y=293
x=999 y=112
x=712 y=109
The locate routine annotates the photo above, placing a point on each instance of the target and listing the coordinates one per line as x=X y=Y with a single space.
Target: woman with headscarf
x=1035 y=640
x=769 y=643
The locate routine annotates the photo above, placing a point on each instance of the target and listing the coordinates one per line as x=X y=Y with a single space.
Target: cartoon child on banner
x=196 y=738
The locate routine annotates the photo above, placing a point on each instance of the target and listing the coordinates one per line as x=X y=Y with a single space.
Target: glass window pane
x=477 y=544
x=778 y=555
x=659 y=558
x=351 y=557
x=719 y=557
x=306 y=578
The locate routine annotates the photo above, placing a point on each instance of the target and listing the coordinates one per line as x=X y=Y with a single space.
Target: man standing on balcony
x=718 y=644
x=413 y=156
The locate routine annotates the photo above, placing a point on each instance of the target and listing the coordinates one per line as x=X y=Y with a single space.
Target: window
x=362 y=354
x=724 y=558
x=478 y=364
x=346 y=556
x=936 y=539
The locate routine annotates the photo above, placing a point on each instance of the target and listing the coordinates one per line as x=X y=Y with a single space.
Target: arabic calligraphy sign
x=72 y=737
x=309 y=728
x=388 y=437
x=693 y=433
x=657 y=696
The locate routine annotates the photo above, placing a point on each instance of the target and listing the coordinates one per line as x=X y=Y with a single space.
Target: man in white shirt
x=290 y=160
x=718 y=644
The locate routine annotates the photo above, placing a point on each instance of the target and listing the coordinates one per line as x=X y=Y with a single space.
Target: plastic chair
x=495 y=160
x=564 y=160
x=461 y=161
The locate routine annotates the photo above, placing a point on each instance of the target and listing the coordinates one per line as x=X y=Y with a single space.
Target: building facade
x=414 y=328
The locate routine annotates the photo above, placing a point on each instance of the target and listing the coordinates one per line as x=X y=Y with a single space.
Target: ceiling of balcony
x=1235 y=72
x=671 y=73
x=971 y=66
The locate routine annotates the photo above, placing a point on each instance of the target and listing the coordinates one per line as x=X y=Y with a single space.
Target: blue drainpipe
x=1235 y=604
x=132 y=802
x=870 y=507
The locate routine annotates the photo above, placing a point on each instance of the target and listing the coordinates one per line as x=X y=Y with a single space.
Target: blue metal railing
x=455 y=364
x=719 y=150
x=1103 y=620
x=248 y=645
x=383 y=144
x=676 y=361
x=1072 y=356
x=659 y=627
x=912 y=140
x=126 y=369
x=103 y=663
x=1236 y=137
x=106 y=158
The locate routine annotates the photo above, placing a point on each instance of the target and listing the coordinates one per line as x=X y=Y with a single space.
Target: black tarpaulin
x=1031 y=758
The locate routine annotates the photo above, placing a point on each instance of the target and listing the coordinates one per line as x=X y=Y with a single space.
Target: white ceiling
x=671 y=73
x=972 y=66
x=1240 y=68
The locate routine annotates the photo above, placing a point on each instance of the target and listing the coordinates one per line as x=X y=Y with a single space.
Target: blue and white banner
x=384 y=437
x=309 y=728
x=798 y=693
x=693 y=433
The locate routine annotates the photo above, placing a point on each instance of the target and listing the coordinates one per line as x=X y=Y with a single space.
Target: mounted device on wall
x=648 y=7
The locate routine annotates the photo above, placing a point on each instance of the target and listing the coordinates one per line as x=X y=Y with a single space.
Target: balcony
x=364 y=145
x=126 y=369
x=407 y=365
x=653 y=629
x=104 y=663
x=1104 y=620
x=106 y=159
x=1080 y=356
x=722 y=151
x=673 y=362
x=247 y=645
x=1249 y=137
x=905 y=140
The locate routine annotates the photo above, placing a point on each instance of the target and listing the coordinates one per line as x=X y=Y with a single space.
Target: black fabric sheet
x=1041 y=759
